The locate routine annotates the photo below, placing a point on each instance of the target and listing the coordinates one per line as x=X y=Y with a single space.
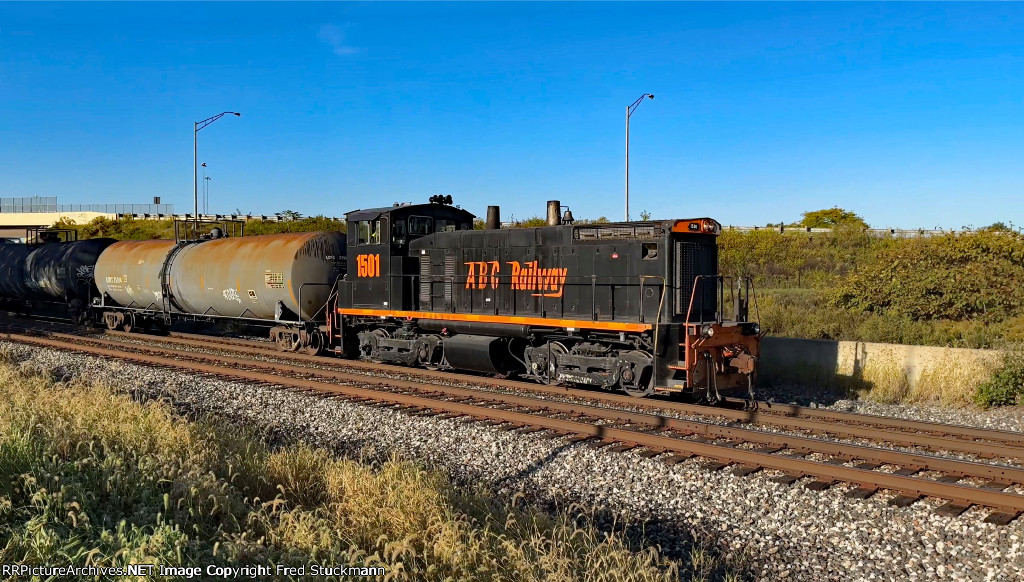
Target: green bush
x=133 y=229
x=955 y=277
x=1006 y=386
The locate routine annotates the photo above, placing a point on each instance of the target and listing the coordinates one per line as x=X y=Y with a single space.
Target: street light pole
x=195 y=162
x=206 y=196
x=629 y=111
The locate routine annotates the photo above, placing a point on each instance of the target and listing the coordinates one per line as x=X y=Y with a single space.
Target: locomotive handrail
x=661 y=305
x=697 y=281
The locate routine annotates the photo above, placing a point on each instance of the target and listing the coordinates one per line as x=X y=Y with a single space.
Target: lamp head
x=239 y=114
x=649 y=96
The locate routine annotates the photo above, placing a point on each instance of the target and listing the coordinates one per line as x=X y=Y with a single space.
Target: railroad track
x=639 y=427
x=984 y=443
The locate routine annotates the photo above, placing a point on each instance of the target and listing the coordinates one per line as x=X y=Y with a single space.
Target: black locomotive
x=632 y=306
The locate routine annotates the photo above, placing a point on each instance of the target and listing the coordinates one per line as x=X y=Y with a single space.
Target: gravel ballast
x=775 y=530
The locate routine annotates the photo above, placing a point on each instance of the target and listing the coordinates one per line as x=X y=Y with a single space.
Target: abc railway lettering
x=529 y=276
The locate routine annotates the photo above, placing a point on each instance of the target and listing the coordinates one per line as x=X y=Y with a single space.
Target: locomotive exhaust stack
x=554 y=213
x=493 y=221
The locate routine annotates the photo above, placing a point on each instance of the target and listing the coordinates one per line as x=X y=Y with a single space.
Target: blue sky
x=911 y=115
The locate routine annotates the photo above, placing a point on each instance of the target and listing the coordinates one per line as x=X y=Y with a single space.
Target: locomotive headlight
x=709 y=225
x=707 y=330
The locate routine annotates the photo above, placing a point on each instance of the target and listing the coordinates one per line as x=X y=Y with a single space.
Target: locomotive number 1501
x=368 y=265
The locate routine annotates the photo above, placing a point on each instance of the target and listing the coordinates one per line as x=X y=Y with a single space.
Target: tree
x=290 y=215
x=645 y=216
x=997 y=226
x=832 y=218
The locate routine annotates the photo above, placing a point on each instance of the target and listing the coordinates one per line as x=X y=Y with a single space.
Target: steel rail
x=792 y=410
x=967 y=495
x=786 y=441
x=998 y=444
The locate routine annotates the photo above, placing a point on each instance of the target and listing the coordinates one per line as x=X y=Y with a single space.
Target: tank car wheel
x=112 y=324
x=286 y=343
x=315 y=347
x=129 y=323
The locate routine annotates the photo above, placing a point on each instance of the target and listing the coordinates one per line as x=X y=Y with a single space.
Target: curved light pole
x=629 y=111
x=195 y=159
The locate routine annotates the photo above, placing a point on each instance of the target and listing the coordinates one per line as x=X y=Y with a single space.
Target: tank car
x=637 y=307
x=277 y=278
x=50 y=275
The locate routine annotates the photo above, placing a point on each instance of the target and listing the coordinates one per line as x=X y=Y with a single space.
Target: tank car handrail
x=322 y=307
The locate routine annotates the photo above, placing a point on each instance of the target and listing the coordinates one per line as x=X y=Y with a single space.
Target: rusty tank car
x=282 y=278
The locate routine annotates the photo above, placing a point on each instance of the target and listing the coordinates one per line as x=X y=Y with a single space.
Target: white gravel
x=782 y=532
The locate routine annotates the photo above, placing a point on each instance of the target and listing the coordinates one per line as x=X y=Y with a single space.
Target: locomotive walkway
x=669 y=430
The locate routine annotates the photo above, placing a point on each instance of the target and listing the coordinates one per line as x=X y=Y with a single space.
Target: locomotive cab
x=381 y=272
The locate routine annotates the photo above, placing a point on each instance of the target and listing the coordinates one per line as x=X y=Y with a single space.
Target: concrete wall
x=14 y=224
x=885 y=372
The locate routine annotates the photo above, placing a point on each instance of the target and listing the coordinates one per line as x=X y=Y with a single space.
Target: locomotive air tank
x=257 y=277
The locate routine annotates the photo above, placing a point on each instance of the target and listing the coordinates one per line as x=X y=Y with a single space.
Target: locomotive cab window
x=420 y=225
x=446 y=225
x=369 y=232
x=398 y=236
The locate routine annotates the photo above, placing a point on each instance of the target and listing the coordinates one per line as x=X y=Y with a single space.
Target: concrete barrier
x=883 y=372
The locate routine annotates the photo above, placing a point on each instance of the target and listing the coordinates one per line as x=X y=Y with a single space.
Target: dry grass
x=91 y=477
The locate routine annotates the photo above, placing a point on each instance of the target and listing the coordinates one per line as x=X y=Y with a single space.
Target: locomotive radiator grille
x=449 y=279
x=693 y=259
x=425 y=281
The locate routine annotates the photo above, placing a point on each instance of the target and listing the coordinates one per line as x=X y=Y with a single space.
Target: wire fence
x=38 y=204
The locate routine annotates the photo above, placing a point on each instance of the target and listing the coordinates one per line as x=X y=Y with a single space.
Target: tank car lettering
x=368 y=265
x=274 y=280
x=252 y=295
x=113 y=280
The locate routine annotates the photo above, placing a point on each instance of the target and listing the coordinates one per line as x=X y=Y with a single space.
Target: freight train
x=637 y=307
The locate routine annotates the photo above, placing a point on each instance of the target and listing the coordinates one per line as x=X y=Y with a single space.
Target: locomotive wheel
x=640 y=392
x=549 y=376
